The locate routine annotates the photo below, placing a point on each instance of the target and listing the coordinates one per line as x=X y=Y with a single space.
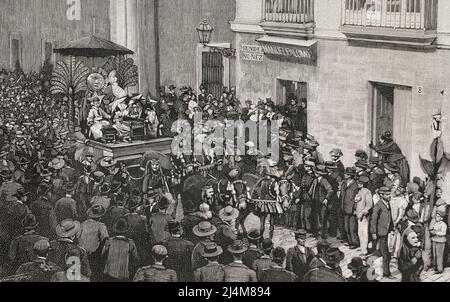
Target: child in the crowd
x=438 y=233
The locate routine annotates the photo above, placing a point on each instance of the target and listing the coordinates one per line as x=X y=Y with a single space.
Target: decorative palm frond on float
x=127 y=72
x=69 y=80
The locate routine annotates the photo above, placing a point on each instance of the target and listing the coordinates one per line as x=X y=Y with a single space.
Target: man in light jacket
x=363 y=205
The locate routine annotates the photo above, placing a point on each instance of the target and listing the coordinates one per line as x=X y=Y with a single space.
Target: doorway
x=294 y=90
x=391 y=111
x=212 y=72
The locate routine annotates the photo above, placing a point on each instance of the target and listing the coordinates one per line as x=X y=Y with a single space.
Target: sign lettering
x=298 y=53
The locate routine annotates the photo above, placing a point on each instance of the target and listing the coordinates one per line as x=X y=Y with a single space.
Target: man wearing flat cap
x=299 y=258
x=237 y=271
x=179 y=252
x=156 y=272
x=213 y=271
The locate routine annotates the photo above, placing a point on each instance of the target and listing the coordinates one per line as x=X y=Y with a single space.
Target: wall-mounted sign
x=304 y=52
x=251 y=52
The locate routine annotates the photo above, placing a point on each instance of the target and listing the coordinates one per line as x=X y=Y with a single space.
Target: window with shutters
x=212 y=72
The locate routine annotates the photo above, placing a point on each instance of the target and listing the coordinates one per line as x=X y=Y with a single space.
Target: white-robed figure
x=97 y=117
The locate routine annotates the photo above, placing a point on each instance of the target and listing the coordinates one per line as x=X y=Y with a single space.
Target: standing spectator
x=276 y=272
x=156 y=272
x=42 y=208
x=349 y=190
x=67 y=231
x=327 y=273
x=299 y=257
x=189 y=221
x=381 y=225
x=40 y=269
x=363 y=205
x=205 y=232
x=159 y=222
x=225 y=234
x=21 y=248
x=398 y=205
x=359 y=270
x=321 y=192
x=179 y=253
x=410 y=261
x=237 y=271
x=254 y=252
x=76 y=276
x=120 y=254
x=438 y=233
x=213 y=271
x=66 y=207
x=265 y=261
x=93 y=236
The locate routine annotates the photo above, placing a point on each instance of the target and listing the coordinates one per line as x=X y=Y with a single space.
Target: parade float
x=101 y=105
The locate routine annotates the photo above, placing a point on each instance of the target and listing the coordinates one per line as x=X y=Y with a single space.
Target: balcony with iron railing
x=290 y=18
x=400 y=22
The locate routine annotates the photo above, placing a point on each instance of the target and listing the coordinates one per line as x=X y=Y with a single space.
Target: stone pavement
x=285 y=238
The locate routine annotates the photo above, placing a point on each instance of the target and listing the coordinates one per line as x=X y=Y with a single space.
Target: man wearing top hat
x=329 y=271
x=205 y=232
x=213 y=271
x=306 y=180
x=237 y=271
x=156 y=272
x=179 y=252
x=67 y=232
x=334 y=178
x=321 y=192
x=21 y=248
x=362 y=208
x=299 y=258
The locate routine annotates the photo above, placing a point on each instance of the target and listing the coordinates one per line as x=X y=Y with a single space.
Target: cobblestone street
x=285 y=238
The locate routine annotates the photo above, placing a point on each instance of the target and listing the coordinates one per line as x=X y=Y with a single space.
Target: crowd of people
x=67 y=217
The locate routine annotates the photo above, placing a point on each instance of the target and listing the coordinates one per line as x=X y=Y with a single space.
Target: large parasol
x=164 y=161
x=93 y=46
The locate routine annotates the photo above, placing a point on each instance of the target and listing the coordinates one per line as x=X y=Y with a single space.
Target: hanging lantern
x=204 y=31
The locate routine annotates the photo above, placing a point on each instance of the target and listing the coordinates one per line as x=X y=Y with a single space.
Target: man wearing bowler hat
x=254 y=252
x=21 y=248
x=159 y=222
x=179 y=252
x=299 y=258
x=321 y=192
x=381 y=225
x=213 y=271
x=336 y=155
x=265 y=261
x=276 y=272
x=237 y=271
x=328 y=272
x=190 y=220
x=363 y=206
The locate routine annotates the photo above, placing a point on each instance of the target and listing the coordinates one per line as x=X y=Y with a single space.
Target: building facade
x=361 y=66
x=163 y=35
x=31 y=29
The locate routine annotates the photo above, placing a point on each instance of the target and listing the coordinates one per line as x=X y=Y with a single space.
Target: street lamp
x=204 y=31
